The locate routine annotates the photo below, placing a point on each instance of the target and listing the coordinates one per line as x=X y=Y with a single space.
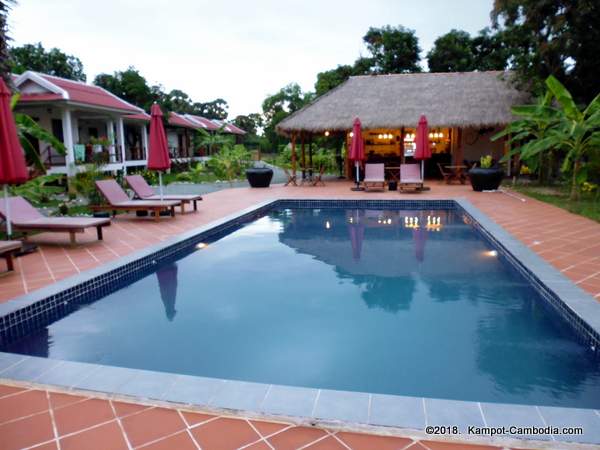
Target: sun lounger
x=145 y=192
x=374 y=176
x=119 y=201
x=25 y=218
x=410 y=176
x=7 y=251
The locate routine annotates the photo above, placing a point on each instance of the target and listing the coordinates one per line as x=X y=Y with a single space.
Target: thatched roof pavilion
x=463 y=109
x=456 y=99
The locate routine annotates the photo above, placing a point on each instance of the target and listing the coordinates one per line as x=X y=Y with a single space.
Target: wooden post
x=402 y=134
x=458 y=154
x=293 y=145
x=303 y=156
x=310 y=161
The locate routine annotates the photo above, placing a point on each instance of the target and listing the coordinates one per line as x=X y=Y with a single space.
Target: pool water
x=382 y=301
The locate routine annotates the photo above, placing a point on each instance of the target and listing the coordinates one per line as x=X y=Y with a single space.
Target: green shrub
x=40 y=190
x=84 y=183
x=231 y=162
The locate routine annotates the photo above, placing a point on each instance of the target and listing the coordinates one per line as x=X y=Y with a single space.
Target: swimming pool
x=391 y=298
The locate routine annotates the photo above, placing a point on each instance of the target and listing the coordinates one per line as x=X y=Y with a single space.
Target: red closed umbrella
x=357 y=149
x=158 y=151
x=423 y=151
x=13 y=169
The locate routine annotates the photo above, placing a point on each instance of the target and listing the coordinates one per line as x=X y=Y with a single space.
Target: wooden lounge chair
x=410 y=176
x=318 y=179
x=374 y=176
x=26 y=218
x=119 y=201
x=447 y=175
x=7 y=251
x=145 y=192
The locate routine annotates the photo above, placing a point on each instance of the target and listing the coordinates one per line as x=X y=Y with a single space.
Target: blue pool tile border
x=20 y=316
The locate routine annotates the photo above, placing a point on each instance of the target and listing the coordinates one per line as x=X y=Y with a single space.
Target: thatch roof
x=456 y=99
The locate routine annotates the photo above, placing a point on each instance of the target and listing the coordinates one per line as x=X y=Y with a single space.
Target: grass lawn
x=588 y=206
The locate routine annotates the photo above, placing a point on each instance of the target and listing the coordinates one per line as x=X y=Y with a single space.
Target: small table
x=457 y=173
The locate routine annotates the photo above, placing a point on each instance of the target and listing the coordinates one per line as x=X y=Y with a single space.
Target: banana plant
x=578 y=133
x=26 y=126
x=206 y=139
x=546 y=129
x=528 y=135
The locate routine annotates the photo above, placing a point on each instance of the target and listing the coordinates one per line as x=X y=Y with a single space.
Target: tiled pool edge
x=325 y=406
x=579 y=308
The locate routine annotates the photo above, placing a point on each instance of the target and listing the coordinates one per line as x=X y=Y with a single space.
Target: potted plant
x=99 y=144
x=486 y=177
x=259 y=177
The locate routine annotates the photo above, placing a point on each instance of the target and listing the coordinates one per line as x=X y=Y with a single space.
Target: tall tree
x=53 y=62
x=553 y=37
x=330 y=79
x=216 y=109
x=131 y=86
x=457 y=51
x=278 y=106
x=490 y=51
x=249 y=123
x=451 y=52
x=4 y=38
x=393 y=49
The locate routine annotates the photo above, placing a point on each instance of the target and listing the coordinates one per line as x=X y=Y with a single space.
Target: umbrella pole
x=7 y=209
x=422 y=170
x=160 y=186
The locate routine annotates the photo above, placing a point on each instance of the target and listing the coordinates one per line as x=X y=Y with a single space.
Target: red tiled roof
x=140 y=116
x=177 y=120
x=203 y=122
x=40 y=97
x=235 y=129
x=228 y=127
x=74 y=91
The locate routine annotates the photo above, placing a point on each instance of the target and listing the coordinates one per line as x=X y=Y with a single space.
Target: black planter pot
x=259 y=177
x=485 y=179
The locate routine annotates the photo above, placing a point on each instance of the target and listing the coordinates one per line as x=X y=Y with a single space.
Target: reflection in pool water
x=396 y=302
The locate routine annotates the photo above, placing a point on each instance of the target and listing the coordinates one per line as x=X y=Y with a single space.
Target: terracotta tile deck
x=43 y=420
x=571 y=243
x=40 y=419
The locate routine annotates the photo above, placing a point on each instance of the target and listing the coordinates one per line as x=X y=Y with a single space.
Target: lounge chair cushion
x=410 y=174
x=139 y=186
x=24 y=215
x=143 y=190
x=9 y=246
x=117 y=197
x=374 y=173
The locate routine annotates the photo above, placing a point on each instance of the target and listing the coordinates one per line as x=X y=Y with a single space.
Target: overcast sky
x=240 y=50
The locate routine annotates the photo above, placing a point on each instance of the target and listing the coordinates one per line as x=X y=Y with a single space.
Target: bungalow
x=463 y=110
x=92 y=123
x=97 y=126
